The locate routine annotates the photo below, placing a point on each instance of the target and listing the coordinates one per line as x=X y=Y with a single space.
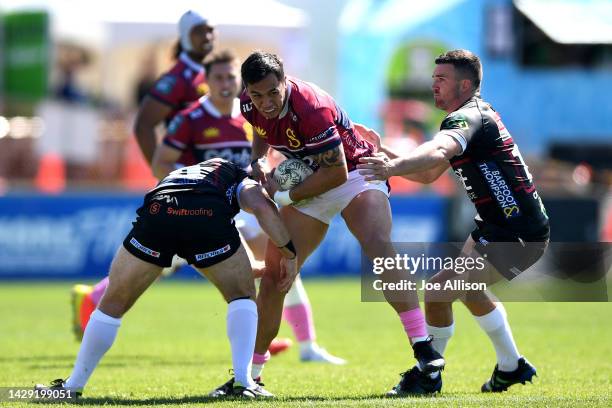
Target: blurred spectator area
x=89 y=148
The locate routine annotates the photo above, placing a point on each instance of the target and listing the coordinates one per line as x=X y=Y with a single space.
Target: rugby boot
x=60 y=384
x=414 y=382
x=82 y=306
x=429 y=359
x=501 y=380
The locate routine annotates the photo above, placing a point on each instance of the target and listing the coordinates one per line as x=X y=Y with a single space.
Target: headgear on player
x=189 y=20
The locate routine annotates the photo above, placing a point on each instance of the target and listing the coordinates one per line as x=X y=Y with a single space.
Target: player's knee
x=114 y=307
x=116 y=300
x=240 y=291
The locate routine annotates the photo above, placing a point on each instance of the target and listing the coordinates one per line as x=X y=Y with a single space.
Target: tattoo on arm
x=332 y=158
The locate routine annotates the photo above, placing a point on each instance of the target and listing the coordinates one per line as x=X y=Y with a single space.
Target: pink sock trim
x=299 y=318
x=414 y=323
x=261 y=358
x=98 y=291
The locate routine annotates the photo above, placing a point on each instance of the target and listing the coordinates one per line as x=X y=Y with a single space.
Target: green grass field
x=172 y=349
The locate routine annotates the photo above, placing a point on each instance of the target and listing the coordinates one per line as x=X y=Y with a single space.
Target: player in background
x=301 y=121
x=214 y=127
x=183 y=84
x=190 y=213
x=476 y=144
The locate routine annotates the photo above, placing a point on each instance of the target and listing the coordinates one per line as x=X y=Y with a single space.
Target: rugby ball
x=290 y=173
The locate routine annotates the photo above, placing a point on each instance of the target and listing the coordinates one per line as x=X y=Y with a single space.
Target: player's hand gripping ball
x=290 y=173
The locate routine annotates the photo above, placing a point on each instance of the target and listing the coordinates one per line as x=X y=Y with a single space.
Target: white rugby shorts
x=323 y=207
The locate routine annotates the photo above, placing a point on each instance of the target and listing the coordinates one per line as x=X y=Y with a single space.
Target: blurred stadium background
x=71 y=74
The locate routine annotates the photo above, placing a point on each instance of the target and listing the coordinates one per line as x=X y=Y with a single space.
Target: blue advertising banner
x=75 y=236
x=65 y=236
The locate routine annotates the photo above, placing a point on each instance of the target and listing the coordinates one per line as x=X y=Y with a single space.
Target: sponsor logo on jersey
x=154 y=208
x=175 y=124
x=322 y=136
x=181 y=212
x=143 y=248
x=165 y=85
x=202 y=88
x=294 y=142
x=229 y=193
x=457 y=121
x=248 y=131
x=459 y=173
x=260 y=132
x=239 y=156
x=247 y=107
x=196 y=114
x=500 y=189
x=212 y=254
x=536 y=197
x=211 y=132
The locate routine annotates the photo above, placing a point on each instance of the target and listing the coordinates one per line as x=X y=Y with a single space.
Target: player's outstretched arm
x=164 y=160
x=428 y=156
x=150 y=114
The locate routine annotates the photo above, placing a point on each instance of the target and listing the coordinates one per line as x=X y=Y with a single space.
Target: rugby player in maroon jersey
x=302 y=121
x=214 y=127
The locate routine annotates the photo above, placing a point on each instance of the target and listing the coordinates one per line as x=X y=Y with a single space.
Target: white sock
x=297 y=294
x=256 y=370
x=242 y=330
x=418 y=338
x=307 y=346
x=441 y=336
x=495 y=324
x=99 y=336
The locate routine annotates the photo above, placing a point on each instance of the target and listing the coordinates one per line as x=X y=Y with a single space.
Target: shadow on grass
x=201 y=399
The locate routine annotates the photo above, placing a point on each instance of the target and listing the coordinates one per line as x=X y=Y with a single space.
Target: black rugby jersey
x=218 y=177
x=493 y=172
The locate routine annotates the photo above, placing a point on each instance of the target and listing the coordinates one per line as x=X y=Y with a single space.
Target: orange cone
x=51 y=174
x=136 y=173
x=87 y=308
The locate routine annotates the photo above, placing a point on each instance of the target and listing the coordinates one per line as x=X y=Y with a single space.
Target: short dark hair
x=466 y=64
x=259 y=65
x=221 y=57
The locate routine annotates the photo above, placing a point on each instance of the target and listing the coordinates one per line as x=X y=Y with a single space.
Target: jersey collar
x=286 y=106
x=184 y=58
x=213 y=111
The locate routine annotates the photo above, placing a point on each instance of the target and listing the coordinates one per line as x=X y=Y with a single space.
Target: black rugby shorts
x=197 y=227
x=508 y=253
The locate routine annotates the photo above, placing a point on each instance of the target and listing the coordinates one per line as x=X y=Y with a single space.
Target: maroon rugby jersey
x=183 y=84
x=310 y=123
x=202 y=130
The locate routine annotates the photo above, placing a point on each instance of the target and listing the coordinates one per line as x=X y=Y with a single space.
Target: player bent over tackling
x=190 y=213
